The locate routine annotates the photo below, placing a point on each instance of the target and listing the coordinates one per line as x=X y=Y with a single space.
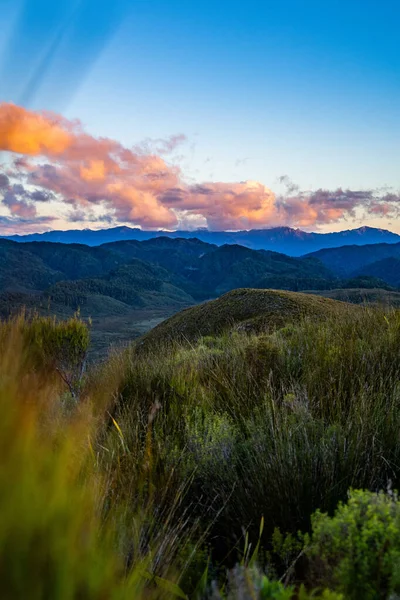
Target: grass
x=155 y=483
x=378 y=296
x=249 y=310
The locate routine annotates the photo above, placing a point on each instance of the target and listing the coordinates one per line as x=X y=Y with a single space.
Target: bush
x=52 y=347
x=357 y=551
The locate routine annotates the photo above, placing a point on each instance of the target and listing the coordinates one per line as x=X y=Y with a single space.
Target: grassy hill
x=247 y=310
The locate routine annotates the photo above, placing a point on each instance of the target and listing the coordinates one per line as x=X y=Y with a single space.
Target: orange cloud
x=242 y=205
x=32 y=133
x=137 y=185
x=95 y=170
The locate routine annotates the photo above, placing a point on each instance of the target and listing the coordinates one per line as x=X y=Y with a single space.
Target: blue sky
x=307 y=89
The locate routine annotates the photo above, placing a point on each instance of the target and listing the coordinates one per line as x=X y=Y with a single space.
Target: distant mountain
x=232 y=266
x=375 y=260
x=198 y=269
x=137 y=284
x=387 y=269
x=293 y=242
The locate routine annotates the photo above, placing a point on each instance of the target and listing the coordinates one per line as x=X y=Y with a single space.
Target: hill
x=232 y=266
x=175 y=253
x=293 y=242
x=137 y=284
x=387 y=269
x=123 y=296
x=244 y=310
x=201 y=270
x=353 y=260
x=37 y=265
x=22 y=271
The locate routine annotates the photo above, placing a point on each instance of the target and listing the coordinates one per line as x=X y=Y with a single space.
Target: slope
x=380 y=297
x=244 y=309
x=388 y=269
x=232 y=266
x=349 y=260
x=137 y=284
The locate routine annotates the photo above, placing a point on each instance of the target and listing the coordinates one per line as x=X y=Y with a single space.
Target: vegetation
x=127 y=287
x=218 y=469
x=377 y=296
x=348 y=261
x=241 y=310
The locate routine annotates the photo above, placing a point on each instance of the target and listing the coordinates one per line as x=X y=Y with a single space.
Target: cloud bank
x=55 y=159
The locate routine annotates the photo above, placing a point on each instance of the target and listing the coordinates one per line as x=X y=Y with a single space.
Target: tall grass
x=276 y=425
x=158 y=478
x=66 y=530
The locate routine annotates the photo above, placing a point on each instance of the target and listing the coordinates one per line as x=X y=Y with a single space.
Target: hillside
x=353 y=260
x=378 y=297
x=122 y=296
x=287 y=240
x=22 y=271
x=387 y=269
x=136 y=284
x=246 y=310
x=201 y=270
x=232 y=266
x=37 y=265
x=173 y=254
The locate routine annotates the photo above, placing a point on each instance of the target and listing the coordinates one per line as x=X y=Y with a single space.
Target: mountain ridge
x=287 y=240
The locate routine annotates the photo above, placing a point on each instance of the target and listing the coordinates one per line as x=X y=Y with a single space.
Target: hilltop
x=247 y=310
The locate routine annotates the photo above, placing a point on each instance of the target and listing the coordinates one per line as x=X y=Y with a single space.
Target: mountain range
x=293 y=242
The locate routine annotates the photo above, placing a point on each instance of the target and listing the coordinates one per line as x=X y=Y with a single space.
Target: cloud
x=4 y=181
x=56 y=159
x=244 y=205
x=18 y=207
x=161 y=146
x=9 y=225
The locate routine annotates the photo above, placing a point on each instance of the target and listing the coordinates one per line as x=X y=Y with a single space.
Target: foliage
x=55 y=347
x=247 y=310
x=358 y=549
x=154 y=483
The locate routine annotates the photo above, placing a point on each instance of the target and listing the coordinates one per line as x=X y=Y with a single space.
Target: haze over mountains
x=293 y=242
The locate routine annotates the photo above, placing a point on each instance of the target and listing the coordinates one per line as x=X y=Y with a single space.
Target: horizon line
x=200 y=229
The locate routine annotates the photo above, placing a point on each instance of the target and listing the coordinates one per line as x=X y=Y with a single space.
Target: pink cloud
x=138 y=185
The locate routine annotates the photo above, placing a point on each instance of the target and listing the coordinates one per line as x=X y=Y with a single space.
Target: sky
x=176 y=114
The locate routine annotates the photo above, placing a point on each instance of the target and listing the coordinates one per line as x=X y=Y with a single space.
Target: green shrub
x=358 y=549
